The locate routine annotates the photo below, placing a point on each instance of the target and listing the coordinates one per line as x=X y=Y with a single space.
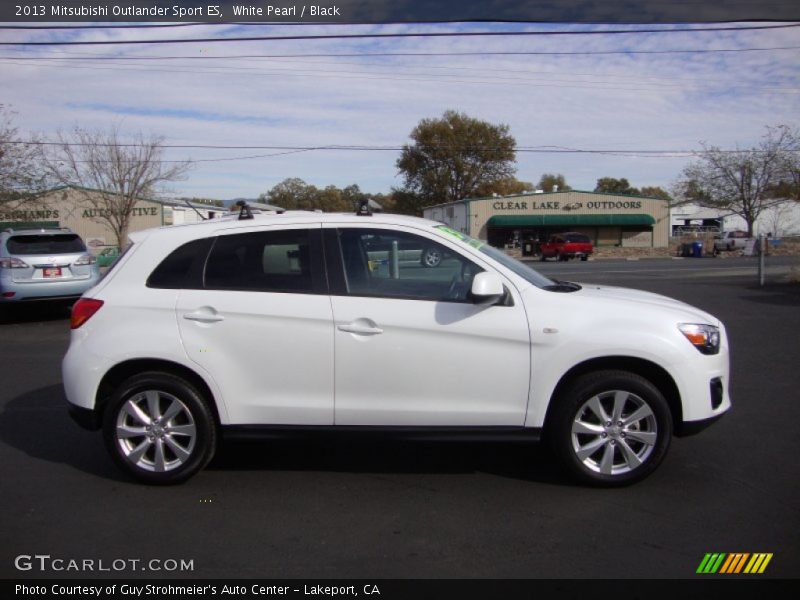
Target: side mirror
x=487 y=288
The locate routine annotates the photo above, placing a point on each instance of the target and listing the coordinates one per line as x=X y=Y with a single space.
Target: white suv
x=298 y=322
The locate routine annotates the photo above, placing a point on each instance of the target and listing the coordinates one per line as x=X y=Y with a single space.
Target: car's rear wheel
x=610 y=428
x=159 y=428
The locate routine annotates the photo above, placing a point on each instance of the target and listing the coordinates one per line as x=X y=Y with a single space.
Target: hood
x=638 y=297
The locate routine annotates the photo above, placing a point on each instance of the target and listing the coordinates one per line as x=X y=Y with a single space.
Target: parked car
x=565 y=246
x=281 y=324
x=107 y=256
x=731 y=240
x=39 y=264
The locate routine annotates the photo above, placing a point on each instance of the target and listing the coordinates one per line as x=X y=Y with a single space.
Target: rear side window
x=66 y=243
x=183 y=268
x=266 y=261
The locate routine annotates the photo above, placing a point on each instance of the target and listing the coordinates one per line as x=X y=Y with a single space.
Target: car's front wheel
x=159 y=428
x=610 y=428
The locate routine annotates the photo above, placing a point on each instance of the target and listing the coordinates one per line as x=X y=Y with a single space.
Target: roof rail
x=244 y=210
x=364 y=209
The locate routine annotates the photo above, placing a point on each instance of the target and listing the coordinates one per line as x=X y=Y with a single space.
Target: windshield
x=521 y=269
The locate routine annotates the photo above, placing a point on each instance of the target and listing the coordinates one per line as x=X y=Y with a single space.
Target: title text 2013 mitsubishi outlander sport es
x=285 y=323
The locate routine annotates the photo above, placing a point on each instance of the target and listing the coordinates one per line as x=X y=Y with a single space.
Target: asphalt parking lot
x=373 y=510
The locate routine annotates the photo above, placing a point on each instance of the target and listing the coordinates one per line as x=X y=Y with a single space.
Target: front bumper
x=688 y=428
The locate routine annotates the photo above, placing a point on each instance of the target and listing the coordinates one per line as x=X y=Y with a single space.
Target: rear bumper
x=44 y=290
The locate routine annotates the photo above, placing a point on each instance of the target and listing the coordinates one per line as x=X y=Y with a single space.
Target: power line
x=639 y=85
x=401 y=35
x=400 y=54
x=369 y=148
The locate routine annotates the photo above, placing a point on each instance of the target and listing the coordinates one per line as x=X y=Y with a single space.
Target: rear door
x=262 y=326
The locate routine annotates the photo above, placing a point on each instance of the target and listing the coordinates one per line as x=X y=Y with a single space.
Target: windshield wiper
x=562 y=286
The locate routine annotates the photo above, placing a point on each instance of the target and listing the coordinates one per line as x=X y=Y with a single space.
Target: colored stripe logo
x=734 y=563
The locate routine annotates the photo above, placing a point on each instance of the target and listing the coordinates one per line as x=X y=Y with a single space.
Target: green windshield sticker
x=461 y=237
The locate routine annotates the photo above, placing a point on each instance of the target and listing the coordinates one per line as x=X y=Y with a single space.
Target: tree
x=110 y=174
x=780 y=218
x=549 y=181
x=21 y=179
x=656 y=192
x=453 y=156
x=504 y=187
x=295 y=194
x=610 y=185
x=743 y=182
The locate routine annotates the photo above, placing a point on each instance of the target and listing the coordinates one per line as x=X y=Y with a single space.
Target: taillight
x=12 y=263
x=86 y=259
x=83 y=310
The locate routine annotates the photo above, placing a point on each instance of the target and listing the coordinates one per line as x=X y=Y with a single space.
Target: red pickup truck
x=566 y=245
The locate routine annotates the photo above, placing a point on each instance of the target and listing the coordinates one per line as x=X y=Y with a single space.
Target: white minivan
x=277 y=324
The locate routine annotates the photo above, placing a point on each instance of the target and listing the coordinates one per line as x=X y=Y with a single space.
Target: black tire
x=584 y=258
x=542 y=258
x=184 y=441
x=431 y=257
x=647 y=438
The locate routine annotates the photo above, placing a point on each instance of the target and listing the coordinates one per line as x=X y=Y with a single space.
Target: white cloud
x=628 y=101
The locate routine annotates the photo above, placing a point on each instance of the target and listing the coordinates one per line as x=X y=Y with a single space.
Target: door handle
x=360 y=329
x=203 y=317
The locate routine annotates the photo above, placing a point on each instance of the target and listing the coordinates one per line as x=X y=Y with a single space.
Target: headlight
x=703 y=337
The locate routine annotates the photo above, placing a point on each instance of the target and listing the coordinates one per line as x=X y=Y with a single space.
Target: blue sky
x=659 y=101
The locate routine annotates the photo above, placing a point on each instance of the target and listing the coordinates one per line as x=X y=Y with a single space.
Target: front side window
x=267 y=261
x=396 y=264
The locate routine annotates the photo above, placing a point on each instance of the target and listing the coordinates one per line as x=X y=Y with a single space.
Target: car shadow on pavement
x=35 y=311
x=354 y=454
x=776 y=294
x=37 y=424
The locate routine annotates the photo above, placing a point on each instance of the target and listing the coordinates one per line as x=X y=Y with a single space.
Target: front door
x=411 y=348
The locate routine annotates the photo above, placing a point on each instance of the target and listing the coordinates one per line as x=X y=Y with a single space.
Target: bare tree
x=742 y=182
x=21 y=178
x=780 y=218
x=110 y=174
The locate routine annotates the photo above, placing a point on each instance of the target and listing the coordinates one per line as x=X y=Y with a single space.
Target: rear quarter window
x=183 y=268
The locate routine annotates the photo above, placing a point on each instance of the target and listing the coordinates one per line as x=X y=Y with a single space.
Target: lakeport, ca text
x=162 y=590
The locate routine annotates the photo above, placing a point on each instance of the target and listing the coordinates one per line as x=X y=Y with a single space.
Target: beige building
x=70 y=207
x=608 y=219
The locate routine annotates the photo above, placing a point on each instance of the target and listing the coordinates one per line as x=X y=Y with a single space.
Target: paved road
x=669 y=268
x=344 y=509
